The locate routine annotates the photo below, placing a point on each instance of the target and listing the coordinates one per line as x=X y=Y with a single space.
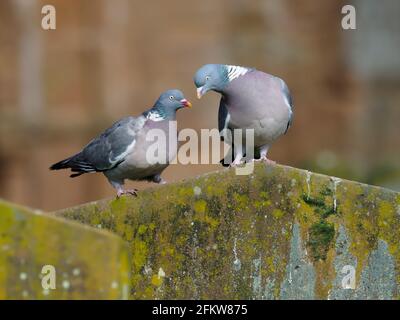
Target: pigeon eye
x=208 y=78
x=171 y=97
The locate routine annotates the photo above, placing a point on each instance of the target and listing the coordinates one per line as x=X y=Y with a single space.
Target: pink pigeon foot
x=132 y=192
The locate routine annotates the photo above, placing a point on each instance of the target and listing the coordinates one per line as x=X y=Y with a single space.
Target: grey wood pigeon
x=251 y=99
x=120 y=152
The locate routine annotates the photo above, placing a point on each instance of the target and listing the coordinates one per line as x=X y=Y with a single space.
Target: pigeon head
x=211 y=77
x=168 y=103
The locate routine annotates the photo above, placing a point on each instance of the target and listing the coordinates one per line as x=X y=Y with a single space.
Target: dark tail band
x=77 y=165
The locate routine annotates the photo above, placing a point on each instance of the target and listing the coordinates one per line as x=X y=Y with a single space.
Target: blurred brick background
x=110 y=59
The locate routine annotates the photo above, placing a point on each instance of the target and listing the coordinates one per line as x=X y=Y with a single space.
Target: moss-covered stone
x=227 y=237
x=321 y=235
x=88 y=263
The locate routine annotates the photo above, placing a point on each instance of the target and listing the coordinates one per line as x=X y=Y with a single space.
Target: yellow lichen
x=277 y=213
x=157 y=280
x=200 y=206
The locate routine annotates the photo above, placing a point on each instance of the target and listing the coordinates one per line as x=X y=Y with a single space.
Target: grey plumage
x=120 y=151
x=289 y=101
x=105 y=151
x=251 y=99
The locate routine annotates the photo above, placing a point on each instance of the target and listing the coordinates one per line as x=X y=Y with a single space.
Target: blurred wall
x=110 y=59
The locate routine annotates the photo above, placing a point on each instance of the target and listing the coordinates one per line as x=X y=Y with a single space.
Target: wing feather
x=107 y=150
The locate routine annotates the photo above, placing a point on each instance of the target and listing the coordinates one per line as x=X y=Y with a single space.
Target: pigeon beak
x=199 y=92
x=186 y=103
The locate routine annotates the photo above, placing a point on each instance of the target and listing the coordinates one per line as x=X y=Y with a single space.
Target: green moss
x=317 y=202
x=327 y=191
x=320 y=206
x=320 y=239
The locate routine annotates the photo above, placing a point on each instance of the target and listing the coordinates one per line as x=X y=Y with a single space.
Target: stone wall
x=88 y=263
x=280 y=233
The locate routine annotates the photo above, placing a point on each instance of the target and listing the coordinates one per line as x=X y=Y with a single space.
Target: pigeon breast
x=256 y=101
x=153 y=144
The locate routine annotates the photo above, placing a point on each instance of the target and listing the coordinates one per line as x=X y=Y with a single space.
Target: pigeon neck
x=234 y=72
x=231 y=73
x=158 y=113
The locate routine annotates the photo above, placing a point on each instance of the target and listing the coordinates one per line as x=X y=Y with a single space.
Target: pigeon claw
x=235 y=164
x=266 y=161
x=132 y=192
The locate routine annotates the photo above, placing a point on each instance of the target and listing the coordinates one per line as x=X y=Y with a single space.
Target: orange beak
x=186 y=103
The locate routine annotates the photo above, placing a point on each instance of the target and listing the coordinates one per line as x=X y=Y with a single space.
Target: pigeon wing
x=227 y=136
x=107 y=150
x=113 y=145
x=223 y=118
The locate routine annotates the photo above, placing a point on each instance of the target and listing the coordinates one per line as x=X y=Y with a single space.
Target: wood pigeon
x=120 y=152
x=251 y=99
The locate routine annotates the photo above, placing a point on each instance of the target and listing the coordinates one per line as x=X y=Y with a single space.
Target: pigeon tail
x=76 y=163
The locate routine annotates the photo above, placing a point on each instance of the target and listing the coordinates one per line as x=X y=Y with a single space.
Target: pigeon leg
x=132 y=192
x=263 y=155
x=238 y=158
x=121 y=191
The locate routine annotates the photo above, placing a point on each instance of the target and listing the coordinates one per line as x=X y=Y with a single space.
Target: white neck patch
x=236 y=71
x=154 y=116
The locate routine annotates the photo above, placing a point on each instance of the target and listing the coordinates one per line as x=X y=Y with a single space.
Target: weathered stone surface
x=299 y=282
x=277 y=233
x=89 y=263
